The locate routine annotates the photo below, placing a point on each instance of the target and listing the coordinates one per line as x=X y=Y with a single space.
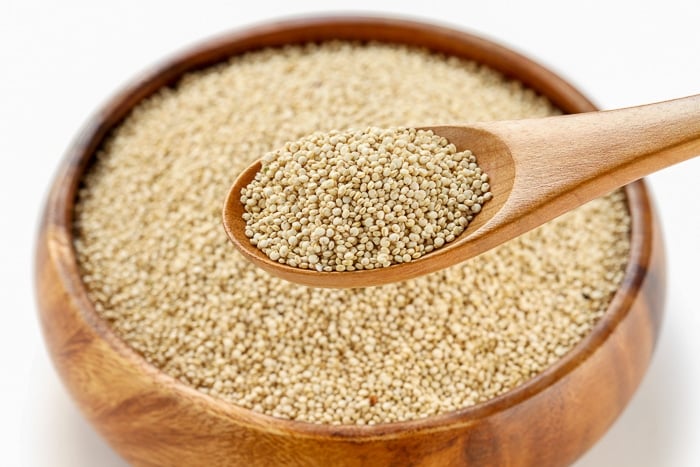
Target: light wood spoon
x=538 y=170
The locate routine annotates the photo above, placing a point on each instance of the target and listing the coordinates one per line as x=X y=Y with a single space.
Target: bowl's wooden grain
x=152 y=419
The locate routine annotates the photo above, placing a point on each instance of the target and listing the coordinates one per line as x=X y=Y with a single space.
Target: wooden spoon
x=538 y=170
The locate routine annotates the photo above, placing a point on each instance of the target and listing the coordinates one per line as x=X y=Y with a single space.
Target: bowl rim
x=59 y=209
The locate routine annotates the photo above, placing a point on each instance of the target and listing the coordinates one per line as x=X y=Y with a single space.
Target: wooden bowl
x=152 y=419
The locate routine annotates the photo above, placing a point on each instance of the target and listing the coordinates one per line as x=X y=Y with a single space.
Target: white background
x=60 y=60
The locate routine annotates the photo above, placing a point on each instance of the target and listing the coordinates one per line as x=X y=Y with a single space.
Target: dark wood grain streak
x=151 y=419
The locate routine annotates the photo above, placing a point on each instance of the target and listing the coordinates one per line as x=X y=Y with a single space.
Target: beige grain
x=157 y=264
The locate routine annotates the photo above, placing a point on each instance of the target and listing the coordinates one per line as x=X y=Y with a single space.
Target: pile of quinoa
x=158 y=267
x=362 y=199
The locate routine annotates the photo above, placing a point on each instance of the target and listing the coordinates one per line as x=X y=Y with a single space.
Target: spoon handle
x=563 y=162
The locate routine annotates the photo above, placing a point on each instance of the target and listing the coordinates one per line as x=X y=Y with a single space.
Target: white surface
x=59 y=60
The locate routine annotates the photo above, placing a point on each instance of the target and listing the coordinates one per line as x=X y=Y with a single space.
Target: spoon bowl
x=493 y=157
x=538 y=170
